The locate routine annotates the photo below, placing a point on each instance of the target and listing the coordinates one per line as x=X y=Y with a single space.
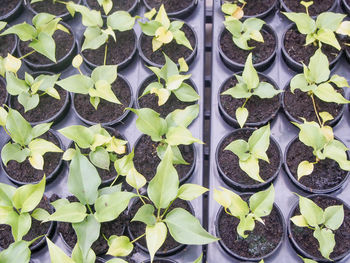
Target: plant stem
x=116 y=178
x=246 y=100
x=89 y=209
x=140 y=196
x=315 y=109
x=60 y=2
x=26 y=55
x=138 y=238
x=105 y=58
x=166 y=210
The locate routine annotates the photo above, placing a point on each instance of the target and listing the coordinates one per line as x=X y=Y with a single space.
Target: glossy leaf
x=155 y=237
x=146 y=215
x=56 y=253
x=119 y=246
x=190 y=192
x=261 y=203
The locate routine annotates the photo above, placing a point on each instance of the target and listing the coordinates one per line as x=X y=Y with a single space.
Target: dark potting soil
x=261 y=52
x=304 y=236
x=7 y=44
x=146 y=159
x=56 y=9
x=170 y=5
x=259 y=109
x=326 y=174
x=124 y=5
x=100 y=246
x=24 y=172
x=260 y=242
x=300 y=104
x=139 y=228
x=318 y=6
x=229 y=162
x=37 y=229
x=173 y=50
x=106 y=111
x=47 y=108
x=64 y=43
x=7 y=6
x=294 y=44
x=3 y=93
x=151 y=100
x=117 y=52
x=255 y=7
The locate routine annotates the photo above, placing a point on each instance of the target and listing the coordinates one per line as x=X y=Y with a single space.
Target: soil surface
x=56 y=9
x=300 y=104
x=229 y=162
x=173 y=50
x=25 y=173
x=37 y=229
x=255 y=7
x=146 y=159
x=151 y=100
x=117 y=52
x=124 y=5
x=261 y=50
x=139 y=228
x=318 y=7
x=171 y=6
x=259 y=109
x=304 y=236
x=106 y=111
x=327 y=173
x=261 y=241
x=3 y=92
x=7 y=44
x=7 y=6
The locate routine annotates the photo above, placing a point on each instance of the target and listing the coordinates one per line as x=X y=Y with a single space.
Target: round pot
x=260 y=66
x=181 y=13
x=225 y=246
x=314 y=13
x=172 y=104
x=12 y=49
x=61 y=64
x=162 y=260
x=55 y=118
x=14 y=13
x=6 y=95
x=50 y=177
x=269 y=8
x=270 y=113
x=131 y=10
x=111 y=122
x=121 y=65
x=297 y=66
x=169 y=47
x=41 y=5
x=250 y=184
x=345 y=6
x=328 y=163
x=299 y=248
x=153 y=160
x=298 y=97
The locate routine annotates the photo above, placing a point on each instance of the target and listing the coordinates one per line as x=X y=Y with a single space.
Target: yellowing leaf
x=37 y=161
x=77 y=61
x=155 y=237
x=299 y=221
x=257 y=36
x=344 y=28
x=119 y=246
x=135 y=179
x=12 y=64
x=304 y=168
x=163 y=35
x=242 y=116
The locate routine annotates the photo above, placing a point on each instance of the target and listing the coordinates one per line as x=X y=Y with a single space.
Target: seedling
x=316 y=81
x=233 y=9
x=18 y=251
x=171 y=81
x=171 y=131
x=250 y=152
x=249 y=85
x=39 y=34
x=320 y=31
x=162 y=30
x=322 y=222
x=25 y=142
x=98 y=86
x=321 y=139
x=260 y=205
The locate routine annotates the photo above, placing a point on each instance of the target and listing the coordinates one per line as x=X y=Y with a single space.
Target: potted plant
x=258 y=9
x=251 y=98
x=316 y=8
x=7 y=42
x=249 y=229
x=160 y=35
x=174 y=8
x=248 y=159
x=10 y=9
x=167 y=89
x=110 y=6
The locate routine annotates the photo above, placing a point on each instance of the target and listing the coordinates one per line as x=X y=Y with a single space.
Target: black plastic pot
x=233 y=254
x=163 y=260
x=131 y=10
x=113 y=122
x=346 y=7
x=286 y=9
x=49 y=178
x=303 y=187
x=232 y=121
x=188 y=60
x=297 y=66
x=61 y=64
x=178 y=14
x=261 y=15
x=242 y=187
x=294 y=242
x=3 y=82
x=14 y=13
x=16 y=40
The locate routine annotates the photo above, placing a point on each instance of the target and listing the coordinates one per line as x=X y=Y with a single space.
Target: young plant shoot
x=322 y=222
x=249 y=85
x=17 y=252
x=233 y=9
x=260 y=205
x=24 y=140
x=320 y=31
x=249 y=153
x=98 y=86
x=171 y=81
x=171 y=131
x=39 y=34
x=162 y=30
x=321 y=139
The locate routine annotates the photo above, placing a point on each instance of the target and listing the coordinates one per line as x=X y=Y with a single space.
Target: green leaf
x=305 y=24
x=145 y=214
x=336 y=150
x=41 y=146
x=18 y=127
x=94 y=38
x=319 y=67
x=312 y=213
x=311 y=135
x=40 y=129
x=162 y=17
x=304 y=168
x=190 y=192
x=180 y=135
x=250 y=75
x=240 y=91
x=12 y=151
x=329 y=20
x=70 y=212
x=77 y=255
x=186 y=93
x=90 y=18
x=251 y=167
x=162 y=94
x=100 y=158
x=40 y=214
x=135 y=179
x=121 y=21
x=182 y=63
x=28 y=101
x=107 y=73
x=327 y=93
x=266 y=91
x=56 y=253
x=232 y=201
x=6 y=194
x=20 y=225
x=334 y=216
x=299 y=82
x=155 y=237
x=119 y=246
x=326 y=240
x=177 y=155
x=339 y=81
x=259 y=142
x=306 y=260
x=181 y=39
x=124 y=164
x=328 y=37
x=241 y=116
x=24 y=31
x=77 y=84
x=183 y=117
x=81 y=135
x=17 y=252
x=299 y=221
x=261 y=203
x=186 y=229
x=116 y=260
x=246 y=223
x=15 y=86
x=45 y=45
x=239 y=148
x=150 y=28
